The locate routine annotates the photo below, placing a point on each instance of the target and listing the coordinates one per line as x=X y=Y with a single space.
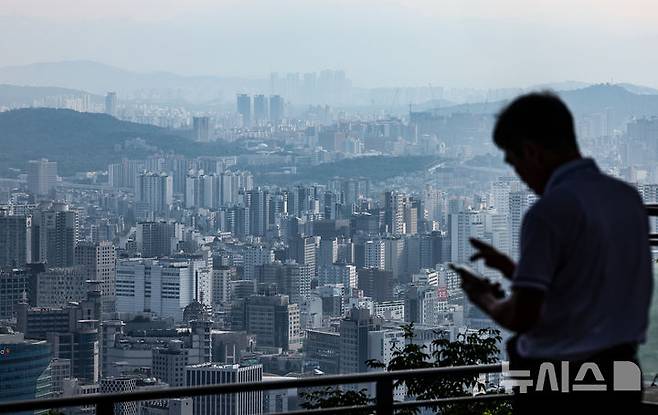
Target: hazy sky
x=479 y=43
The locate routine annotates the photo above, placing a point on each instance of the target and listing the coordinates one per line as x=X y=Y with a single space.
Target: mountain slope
x=99 y=78
x=86 y=141
x=593 y=99
x=26 y=95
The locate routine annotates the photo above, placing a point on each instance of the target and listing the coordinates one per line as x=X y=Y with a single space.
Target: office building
x=354 y=346
x=56 y=287
x=376 y=283
x=16 y=285
x=55 y=230
x=323 y=347
x=15 y=240
x=221 y=283
x=302 y=249
x=291 y=279
x=25 y=371
x=164 y=287
x=255 y=255
x=99 y=261
x=243 y=403
x=158 y=239
x=274 y=321
x=169 y=363
x=71 y=330
x=121 y=385
x=344 y=274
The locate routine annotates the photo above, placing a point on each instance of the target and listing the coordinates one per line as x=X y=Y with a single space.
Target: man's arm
x=493 y=258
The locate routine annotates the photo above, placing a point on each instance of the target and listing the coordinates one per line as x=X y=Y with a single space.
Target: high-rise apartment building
x=260 y=109
x=41 y=176
x=111 y=104
x=258 y=202
x=201 y=126
x=244 y=109
x=519 y=203
x=154 y=194
x=463 y=226
x=124 y=174
x=374 y=254
x=276 y=109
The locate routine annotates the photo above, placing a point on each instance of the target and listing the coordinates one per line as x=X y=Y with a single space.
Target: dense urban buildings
x=285 y=228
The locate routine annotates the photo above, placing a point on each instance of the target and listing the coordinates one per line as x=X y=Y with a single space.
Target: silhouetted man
x=582 y=287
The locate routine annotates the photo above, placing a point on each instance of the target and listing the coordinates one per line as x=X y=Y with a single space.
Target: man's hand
x=477 y=287
x=493 y=258
x=518 y=312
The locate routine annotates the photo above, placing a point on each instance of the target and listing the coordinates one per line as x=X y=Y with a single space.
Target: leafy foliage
x=374 y=168
x=474 y=348
x=332 y=398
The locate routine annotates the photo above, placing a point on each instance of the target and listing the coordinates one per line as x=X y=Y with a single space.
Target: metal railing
x=383 y=401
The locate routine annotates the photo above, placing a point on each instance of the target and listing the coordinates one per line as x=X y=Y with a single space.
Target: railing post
x=384 y=396
x=104 y=407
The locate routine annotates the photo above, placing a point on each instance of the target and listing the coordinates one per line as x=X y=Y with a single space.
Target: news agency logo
x=626 y=376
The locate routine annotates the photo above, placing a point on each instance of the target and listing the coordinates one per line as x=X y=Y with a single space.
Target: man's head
x=536 y=133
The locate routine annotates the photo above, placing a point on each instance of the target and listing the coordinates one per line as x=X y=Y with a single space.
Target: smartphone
x=469 y=274
x=465 y=271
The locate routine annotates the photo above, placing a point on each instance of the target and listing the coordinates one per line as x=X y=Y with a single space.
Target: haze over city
x=477 y=44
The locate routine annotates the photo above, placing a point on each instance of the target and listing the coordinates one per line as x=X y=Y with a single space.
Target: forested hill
x=87 y=141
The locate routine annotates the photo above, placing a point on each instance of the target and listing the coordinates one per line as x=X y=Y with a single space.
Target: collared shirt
x=585 y=244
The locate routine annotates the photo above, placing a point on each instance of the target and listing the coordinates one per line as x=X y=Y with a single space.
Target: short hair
x=539 y=117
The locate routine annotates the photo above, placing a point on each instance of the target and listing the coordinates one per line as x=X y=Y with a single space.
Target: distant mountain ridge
x=99 y=78
x=87 y=141
x=592 y=99
x=27 y=95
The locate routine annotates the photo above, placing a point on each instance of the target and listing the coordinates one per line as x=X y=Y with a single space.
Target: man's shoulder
x=572 y=198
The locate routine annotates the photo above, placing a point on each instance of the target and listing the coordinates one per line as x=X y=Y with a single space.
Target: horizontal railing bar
x=172 y=393
x=455 y=399
x=334 y=410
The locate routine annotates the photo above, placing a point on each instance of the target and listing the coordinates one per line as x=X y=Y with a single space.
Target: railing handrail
x=182 y=392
